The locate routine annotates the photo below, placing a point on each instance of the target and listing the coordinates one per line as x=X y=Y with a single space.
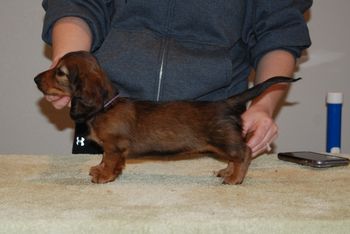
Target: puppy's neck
x=104 y=108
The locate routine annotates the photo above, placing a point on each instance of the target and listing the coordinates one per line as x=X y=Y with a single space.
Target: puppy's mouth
x=55 y=92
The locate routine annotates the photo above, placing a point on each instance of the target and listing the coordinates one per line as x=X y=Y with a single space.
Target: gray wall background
x=29 y=125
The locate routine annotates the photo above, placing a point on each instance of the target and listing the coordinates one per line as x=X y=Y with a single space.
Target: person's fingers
x=62 y=102
x=54 y=63
x=247 y=126
x=264 y=133
x=58 y=101
x=266 y=136
x=265 y=146
x=259 y=132
x=51 y=98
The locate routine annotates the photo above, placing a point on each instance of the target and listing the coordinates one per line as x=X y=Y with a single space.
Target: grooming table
x=53 y=194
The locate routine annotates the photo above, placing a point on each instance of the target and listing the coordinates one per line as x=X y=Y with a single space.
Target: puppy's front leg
x=112 y=164
x=109 y=169
x=113 y=161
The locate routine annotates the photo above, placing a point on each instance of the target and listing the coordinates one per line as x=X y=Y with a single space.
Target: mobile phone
x=313 y=159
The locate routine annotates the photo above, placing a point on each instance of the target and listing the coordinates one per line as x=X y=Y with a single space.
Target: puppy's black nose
x=37 y=79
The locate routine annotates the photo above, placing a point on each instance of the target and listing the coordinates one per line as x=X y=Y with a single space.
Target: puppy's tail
x=249 y=94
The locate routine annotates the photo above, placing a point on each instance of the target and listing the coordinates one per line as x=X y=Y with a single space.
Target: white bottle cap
x=335 y=150
x=335 y=98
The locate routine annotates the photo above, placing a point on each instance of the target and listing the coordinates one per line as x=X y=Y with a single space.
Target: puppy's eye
x=59 y=72
x=61 y=77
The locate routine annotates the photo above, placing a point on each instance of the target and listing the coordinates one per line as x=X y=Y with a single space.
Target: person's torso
x=176 y=49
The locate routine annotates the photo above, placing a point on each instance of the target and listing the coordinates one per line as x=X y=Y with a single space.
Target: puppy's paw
x=231 y=180
x=101 y=176
x=226 y=172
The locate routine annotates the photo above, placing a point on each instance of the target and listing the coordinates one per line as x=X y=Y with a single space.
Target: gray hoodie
x=184 y=49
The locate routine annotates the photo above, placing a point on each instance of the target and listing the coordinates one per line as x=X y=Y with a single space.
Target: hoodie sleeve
x=96 y=13
x=302 y=5
x=276 y=25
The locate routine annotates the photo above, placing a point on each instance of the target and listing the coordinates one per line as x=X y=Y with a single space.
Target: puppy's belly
x=166 y=145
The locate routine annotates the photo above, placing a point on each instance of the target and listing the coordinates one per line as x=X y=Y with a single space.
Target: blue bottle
x=334 y=114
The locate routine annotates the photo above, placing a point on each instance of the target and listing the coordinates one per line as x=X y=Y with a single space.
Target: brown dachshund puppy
x=123 y=126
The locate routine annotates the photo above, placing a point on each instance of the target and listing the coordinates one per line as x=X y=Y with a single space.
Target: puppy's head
x=78 y=75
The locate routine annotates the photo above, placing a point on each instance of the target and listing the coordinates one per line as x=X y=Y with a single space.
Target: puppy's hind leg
x=226 y=142
x=239 y=158
x=238 y=167
x=228 y=171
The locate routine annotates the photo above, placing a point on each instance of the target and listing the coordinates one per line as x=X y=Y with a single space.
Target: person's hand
x=259 y=128
x=58 y=101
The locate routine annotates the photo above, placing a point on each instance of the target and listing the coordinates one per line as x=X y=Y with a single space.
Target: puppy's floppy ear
x=88 y=91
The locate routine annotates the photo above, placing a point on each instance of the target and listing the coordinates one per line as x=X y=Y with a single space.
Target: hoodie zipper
x=161 y=68
x=164 y=48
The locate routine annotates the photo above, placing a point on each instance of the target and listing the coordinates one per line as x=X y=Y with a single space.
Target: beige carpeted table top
x=53 y=194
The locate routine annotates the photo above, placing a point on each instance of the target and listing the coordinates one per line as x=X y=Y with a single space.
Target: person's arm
x=258 y=119
x=68 y=34
x=275 y=34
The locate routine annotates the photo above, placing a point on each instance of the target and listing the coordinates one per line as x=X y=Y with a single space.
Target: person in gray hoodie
x=184 y=50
